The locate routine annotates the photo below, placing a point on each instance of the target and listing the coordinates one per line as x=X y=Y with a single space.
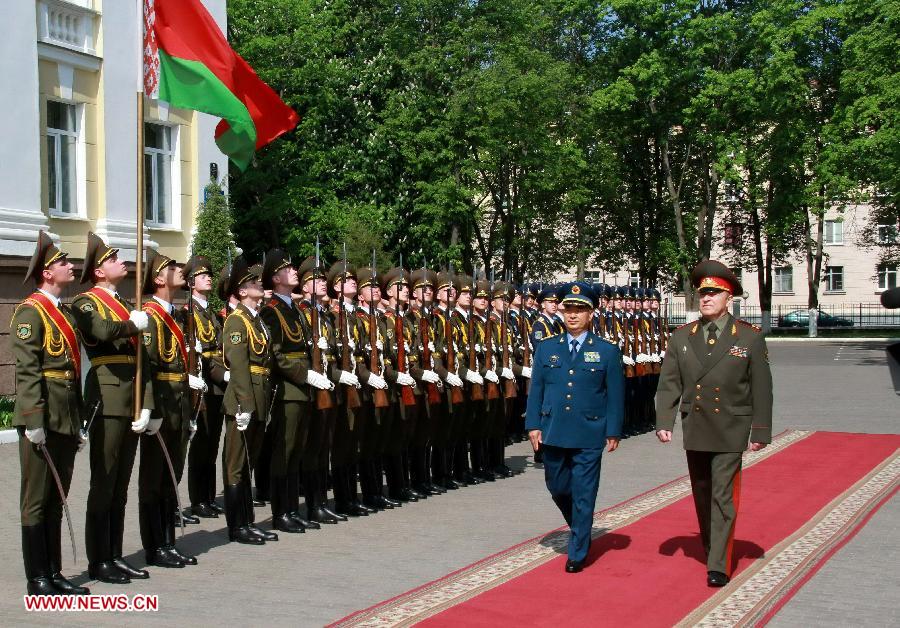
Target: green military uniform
x=718 y=380
x=292 y=409
x=247 y=354
x=166 y=348
x=45 y=345
x=466 y=341
x=442 y=334
x=204 y=448
x=502 y=340
x=111 y=342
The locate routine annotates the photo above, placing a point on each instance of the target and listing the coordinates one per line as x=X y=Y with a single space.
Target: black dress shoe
x=258 y=503
x=716 y=579
x=452 y=485
x=300 y=521
x=351 y=510
x=162 y=558
x=128 y=570
x=67 y=588
x=187 y=559
x=204 y=510
x=42 y=585
x=188 y=517
x=284 y=523
x=485 y=476
x=504 y=471
x=263 y=534
x=574 y=566
x=369 y=510
x=406 y=495
x=107 y=572
x=320 y=516
x=245 y=535
x=388 y=502
x=215 y=507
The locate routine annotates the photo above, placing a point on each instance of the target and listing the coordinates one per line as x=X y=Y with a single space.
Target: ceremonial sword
x=165 y=451
x=85 y=431
x=62 y=496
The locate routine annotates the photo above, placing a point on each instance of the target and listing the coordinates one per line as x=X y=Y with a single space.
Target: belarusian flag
x=189 y=64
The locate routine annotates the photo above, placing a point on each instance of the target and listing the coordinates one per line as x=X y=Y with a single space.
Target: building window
x=784 y=279
x=592 y=276
x=834 y=278
x=734 y=233
x=887 y=276
x=834 y=232
x=887 y=234
x=62 y=145
x=159 y=159
x=634 y=279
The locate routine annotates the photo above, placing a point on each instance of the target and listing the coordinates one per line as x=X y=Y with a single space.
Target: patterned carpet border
x=459 y=586
x=758 y=592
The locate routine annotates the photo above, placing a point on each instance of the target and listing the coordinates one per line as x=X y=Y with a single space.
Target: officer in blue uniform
x=576 y=406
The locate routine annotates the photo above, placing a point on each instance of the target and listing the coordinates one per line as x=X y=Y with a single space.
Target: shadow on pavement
x=692 y=547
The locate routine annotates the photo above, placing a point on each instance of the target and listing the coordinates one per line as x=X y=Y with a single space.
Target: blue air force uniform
x=577 y=400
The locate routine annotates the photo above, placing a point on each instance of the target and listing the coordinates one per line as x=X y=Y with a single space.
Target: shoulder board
x=606 y=340
x=684 y=325
x=755 y=328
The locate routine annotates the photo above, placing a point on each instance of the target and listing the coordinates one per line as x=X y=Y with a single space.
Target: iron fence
x=848 y=315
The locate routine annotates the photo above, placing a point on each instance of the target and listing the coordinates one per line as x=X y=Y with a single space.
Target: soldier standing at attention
x=716 y=375
x=109 y=330
x=48 y=415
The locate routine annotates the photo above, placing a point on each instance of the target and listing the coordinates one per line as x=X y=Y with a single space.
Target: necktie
x=711 y=334
x=574 y=348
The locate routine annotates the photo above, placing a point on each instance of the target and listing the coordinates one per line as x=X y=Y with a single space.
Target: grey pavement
x=321 y=576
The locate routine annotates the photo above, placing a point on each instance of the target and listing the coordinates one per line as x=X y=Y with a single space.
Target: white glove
x=196 y=383
x=662 y=354
x=507 y=373
x=226 y=376
x=526 y=372
x=349 y=379
x=628 y=360
x=474 y=378
x=153 y=427
x=141 y=424
x=431 y=377
x=319 y=381
x=82 y=441
x=198 y=346
x=192 y=428
x=404 y=379
x=379 y=345
x=37 y=436
x=323 y=343
x=377 y=381
x=491 y=376
x=139 y=319
x=454 y=380
x=243 y=420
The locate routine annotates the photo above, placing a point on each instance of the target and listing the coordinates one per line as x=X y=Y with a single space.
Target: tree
x=214 y=223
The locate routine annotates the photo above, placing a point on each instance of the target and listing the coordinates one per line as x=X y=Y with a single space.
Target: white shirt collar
x=54 y=300
x=465 y=314
x=201 y=302
x=252 y=311
x=168 y=306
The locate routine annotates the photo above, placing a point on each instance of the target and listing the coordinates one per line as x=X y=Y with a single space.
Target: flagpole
x=139 y=251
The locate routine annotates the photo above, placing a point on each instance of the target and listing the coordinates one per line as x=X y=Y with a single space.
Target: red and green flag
x=189 y=64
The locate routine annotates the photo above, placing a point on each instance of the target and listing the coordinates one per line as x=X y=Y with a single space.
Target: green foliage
x=214 y=225
x=7 y=407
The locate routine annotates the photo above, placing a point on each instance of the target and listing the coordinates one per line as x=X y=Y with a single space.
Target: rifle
x=323 y=397
x=664 y=327
x=493 y=391
x=351 y=393
x=406 y=393
x=379 y=396
x=654 y=347
x=641 y=368
x=477 y=391
x=509 y=385
x=456 y=395
x=191 y=366
x=526 y=344
x=434 y=395
x=626 y=349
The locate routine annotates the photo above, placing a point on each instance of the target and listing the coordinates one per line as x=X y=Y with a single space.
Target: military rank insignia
x=87 y=307
x=23 y=331
x=147 y=339
x=554 y=359
x=539 y=335
x=739 y=352
x=591 y=356
x=235 y=338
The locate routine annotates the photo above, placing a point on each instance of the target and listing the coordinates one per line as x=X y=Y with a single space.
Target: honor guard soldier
x=485 y=410
x=110 y=330
x=247 y=354
x=204 y=447
x=164 y=442
x=716 y=377
x=546 y=324
x=506 y=367
x=48 y=415
x=575 y=407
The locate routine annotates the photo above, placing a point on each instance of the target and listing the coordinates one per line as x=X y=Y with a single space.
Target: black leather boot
x=236 y=518
x=153 y=516
x=204 y=511
x=251 y=517
x=323 y=487
x=37 y=562
x=355 y=504
x=293 y=503
x=281 y=520
x=53 y=530
x=116 y=534
x=314 y=510
x=169 y=534
x=98 y=537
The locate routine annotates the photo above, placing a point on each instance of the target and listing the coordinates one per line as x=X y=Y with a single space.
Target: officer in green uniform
x=166 y=437
x=48 y=415
x=716 y=377
x=204 y=448
x=247 y=353
x=110 y=331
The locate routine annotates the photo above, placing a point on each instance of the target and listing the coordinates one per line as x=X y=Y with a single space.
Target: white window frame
x=828 y=277
x=885 y=271
x=79 y=197
x=593 y=276
x=634 y=279
x=833 y=241
x=779 y=289
x=173 y=223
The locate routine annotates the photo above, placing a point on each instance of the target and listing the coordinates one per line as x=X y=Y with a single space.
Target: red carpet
x=800 y=502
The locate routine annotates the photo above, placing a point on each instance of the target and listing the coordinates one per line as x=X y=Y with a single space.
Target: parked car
x=800 y=318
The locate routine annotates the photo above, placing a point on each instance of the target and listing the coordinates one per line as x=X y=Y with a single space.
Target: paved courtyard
x=317 y=577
